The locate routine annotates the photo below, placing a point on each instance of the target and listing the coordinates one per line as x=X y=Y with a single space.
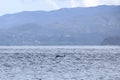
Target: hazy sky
x=13 y=6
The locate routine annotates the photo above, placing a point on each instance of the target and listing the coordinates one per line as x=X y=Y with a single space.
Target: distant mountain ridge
x=69 y=26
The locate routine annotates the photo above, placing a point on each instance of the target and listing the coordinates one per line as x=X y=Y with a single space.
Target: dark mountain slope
x=75 y=26
x=114 y=40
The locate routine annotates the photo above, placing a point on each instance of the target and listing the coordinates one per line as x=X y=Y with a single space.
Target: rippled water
x=60 y=63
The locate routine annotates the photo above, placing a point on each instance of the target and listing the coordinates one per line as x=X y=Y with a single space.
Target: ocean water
x=59 y=62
